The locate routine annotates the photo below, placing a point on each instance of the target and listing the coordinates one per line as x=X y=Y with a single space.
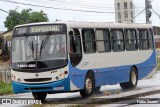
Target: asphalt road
x=109 y=91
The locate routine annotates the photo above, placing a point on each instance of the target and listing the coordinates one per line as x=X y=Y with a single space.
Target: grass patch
x=158 y=65
x=5 y=88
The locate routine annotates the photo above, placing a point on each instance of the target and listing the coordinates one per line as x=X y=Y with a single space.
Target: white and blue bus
x=80 y=56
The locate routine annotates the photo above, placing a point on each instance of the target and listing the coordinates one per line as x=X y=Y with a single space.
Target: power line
x=83 y=3
x=56 y=8
x=138 y=14
x=4 y=11
x=66 y=9
x=73 y=4
x=10 y=13
x=63 y=8
x=141 y=11
x=155 y=12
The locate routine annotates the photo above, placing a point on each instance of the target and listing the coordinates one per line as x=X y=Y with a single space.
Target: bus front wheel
x=39 y=95
x=88 y=86
x=133 y=79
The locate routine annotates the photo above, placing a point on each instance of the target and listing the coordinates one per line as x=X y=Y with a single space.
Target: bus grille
x=37 y=79
x=39 y=88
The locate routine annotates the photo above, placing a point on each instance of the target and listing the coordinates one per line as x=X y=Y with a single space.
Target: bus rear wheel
x=133 y=79
x=88 y=86
x=39 y=95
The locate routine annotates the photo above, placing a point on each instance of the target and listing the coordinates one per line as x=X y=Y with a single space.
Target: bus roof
x=93 y=24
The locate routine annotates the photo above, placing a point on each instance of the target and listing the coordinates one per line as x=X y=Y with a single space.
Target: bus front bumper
x=54 y=87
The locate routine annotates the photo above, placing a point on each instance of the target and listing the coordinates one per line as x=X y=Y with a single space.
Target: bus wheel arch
x=133 y=79
x=89 y=84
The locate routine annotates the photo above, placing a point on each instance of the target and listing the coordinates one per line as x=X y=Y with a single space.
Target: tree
x=25 y=16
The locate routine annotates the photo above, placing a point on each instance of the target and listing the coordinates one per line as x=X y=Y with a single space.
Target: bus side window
x=143 y=39
x=89 y=44
x=75 y=42
x=130 y=39
x=103 y=40
x=117 y=40
x=75 y=45
x=151 y=42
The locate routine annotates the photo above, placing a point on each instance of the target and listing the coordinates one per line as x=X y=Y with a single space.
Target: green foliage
x=5 y=88
x=25 y=16
x=158 y=65
x=158 y=60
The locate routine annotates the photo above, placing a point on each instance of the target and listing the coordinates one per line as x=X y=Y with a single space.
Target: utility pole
x=148 y=7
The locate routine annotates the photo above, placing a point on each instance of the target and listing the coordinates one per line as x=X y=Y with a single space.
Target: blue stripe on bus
x=47 y=87
x=103 y=76
x=112 y=75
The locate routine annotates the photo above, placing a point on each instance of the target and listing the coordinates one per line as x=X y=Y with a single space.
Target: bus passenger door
x=75 y=56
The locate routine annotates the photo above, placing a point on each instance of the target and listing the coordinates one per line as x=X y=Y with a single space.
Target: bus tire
x=133 y=79
x=88 y=86
x=39 y=95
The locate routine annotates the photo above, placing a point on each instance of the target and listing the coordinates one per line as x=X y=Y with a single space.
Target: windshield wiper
x=43 y=44
x=30 y=44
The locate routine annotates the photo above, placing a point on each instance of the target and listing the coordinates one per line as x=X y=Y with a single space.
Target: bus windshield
x=41 y=49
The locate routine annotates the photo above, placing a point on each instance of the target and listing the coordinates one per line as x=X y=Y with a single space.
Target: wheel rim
x=133 y=78
x=88 y=84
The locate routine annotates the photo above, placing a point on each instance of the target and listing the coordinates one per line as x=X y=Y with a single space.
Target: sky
x=86 y=10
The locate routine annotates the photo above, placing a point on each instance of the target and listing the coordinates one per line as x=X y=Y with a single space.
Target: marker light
x=65 y=72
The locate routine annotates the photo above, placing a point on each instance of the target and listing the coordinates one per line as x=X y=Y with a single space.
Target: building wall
x=124 y=11
x=156 y=30
x=1 y=42
x=5 y=71
x=6 y=36
x=157 y=41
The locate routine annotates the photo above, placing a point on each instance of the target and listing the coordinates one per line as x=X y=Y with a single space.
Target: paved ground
x=109 y=91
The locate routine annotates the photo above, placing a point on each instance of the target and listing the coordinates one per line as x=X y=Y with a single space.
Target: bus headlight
x=14 y=77
x=63 y=74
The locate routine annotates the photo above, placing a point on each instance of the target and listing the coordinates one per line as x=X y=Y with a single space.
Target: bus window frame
x=94 y=41
x=117 y=39
x=109 y=40
x=151 y=45
x=72 y=55
x=74 y=44
x=137 y=47
x=138 y=39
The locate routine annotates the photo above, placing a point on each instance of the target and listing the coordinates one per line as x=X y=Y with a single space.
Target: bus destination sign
x=46 y=28
x=40 y=29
